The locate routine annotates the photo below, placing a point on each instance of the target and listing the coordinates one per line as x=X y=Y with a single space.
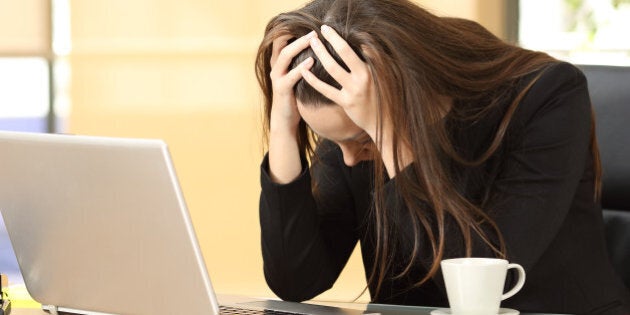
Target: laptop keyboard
x=228 y=310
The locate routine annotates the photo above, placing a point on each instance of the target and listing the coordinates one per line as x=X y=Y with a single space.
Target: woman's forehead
x=329 y=121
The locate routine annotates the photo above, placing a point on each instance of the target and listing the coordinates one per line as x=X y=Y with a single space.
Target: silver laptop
x=100 y=226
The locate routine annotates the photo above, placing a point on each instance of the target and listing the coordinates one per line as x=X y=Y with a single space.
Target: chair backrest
x=609 y=87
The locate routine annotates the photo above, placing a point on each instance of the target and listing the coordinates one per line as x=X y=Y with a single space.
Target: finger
x=322 y=87
x=277 y=46
x=287 y=54
x=330 y=64
x=342 y=48
x=296 y=73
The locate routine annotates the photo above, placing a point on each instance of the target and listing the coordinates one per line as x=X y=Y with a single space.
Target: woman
x=426 y=138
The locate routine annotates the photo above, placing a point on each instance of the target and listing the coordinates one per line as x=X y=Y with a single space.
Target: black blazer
x=540 y=184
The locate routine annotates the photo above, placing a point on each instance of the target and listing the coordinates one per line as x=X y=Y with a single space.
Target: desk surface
x=410 y=311
x=230 y=299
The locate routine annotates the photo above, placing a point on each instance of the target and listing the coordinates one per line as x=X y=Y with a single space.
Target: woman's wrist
x=284 y=132
x=284 y=157
x=280 y=125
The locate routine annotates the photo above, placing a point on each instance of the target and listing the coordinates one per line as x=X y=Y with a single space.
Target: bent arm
x=539 y=172
x=305 y=243
x=540 y=176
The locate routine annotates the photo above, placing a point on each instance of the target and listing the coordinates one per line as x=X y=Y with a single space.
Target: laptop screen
x=100 y=224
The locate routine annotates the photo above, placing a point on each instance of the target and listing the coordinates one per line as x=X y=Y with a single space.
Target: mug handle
x=519 y=283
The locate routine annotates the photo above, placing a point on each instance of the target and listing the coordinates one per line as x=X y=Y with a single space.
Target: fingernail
x=310 y=35
x=314 y=42
x=308 y=61
x=325 y=28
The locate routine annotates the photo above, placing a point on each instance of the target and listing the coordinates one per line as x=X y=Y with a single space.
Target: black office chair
x=610 y=93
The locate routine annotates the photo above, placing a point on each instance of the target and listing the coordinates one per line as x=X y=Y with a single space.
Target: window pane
x=24 y=94
x=580 y=31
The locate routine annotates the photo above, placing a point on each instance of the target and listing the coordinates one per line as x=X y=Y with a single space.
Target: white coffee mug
x=475 y=285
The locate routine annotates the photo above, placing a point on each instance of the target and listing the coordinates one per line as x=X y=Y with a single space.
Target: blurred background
x=182 y=71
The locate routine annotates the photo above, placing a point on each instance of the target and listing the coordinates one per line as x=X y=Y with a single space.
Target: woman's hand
x=284 y=156
x=357 y=95
x=284 y=114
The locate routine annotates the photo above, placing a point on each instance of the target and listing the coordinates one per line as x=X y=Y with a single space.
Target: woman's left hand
x=357 y=95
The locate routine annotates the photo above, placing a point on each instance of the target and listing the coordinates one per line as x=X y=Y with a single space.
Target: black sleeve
x=540 y=174
x=306 y=243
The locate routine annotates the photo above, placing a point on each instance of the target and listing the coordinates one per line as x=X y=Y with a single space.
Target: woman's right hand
x=284 y=114
x=284 y=155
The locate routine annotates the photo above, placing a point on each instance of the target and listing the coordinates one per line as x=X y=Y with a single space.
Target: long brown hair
x=416 y=58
